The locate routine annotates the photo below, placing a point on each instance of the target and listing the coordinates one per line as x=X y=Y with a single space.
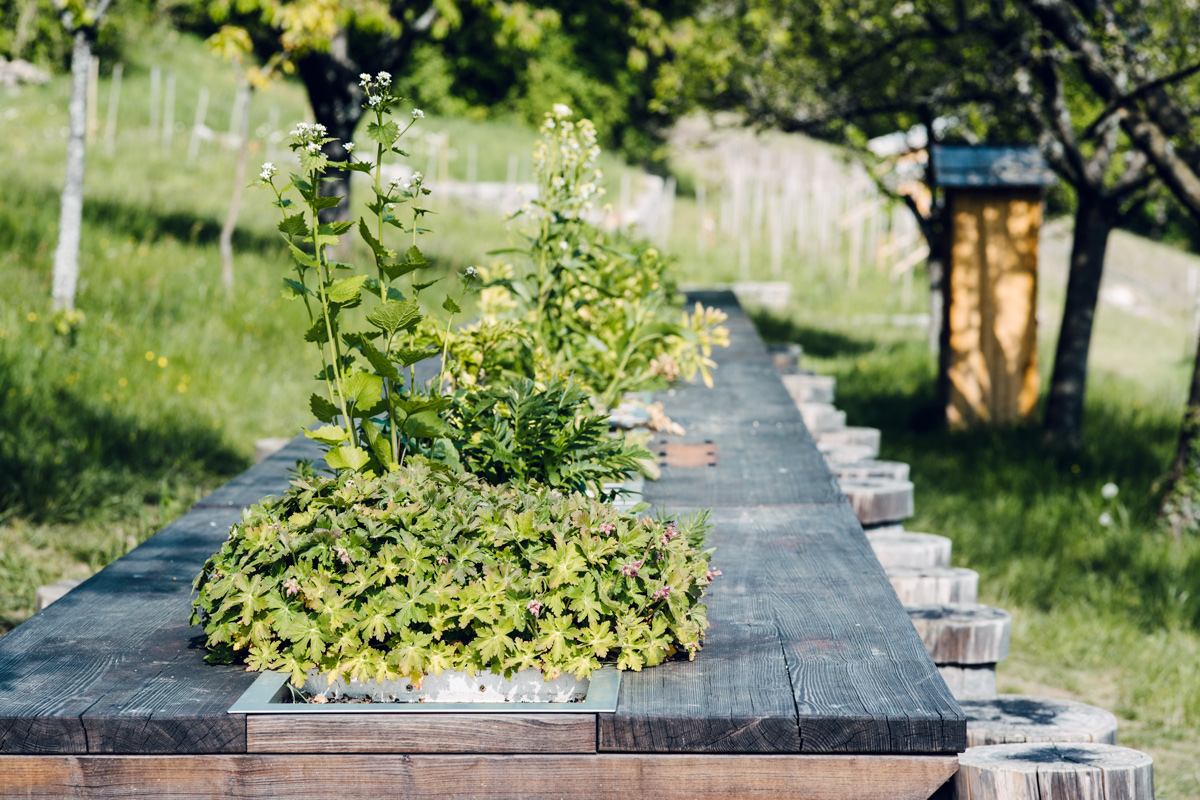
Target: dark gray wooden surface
x=809 y=650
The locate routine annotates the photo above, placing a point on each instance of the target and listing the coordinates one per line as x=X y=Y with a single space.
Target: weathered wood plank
x=466 y=777
x=114 y=666
x=421 y=733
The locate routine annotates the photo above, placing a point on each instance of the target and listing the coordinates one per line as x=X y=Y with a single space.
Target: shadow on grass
x=816 y=341
x=143 y=222
x=65 y=456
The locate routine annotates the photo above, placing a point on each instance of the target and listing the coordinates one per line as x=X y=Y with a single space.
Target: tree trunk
x=332 y=83
x=225 y=242
x=1094 y=220
x=70 y=220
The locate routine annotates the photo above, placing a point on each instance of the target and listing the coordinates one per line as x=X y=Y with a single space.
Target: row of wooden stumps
x=1019 y=747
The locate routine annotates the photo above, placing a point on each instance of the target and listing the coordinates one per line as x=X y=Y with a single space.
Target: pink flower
x=534 y=607
x=630 y=570
x=291 y=587
x=607 y=527
x=443 y=559
x=712 y=575
x=663 y=592
x=343 y=556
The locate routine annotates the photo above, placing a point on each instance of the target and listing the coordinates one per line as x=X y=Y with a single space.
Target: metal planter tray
x=265 y=696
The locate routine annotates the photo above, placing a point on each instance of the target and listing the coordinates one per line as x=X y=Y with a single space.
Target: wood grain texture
x=924 y=585
x=421 y=733
x=114 y=666
x=268 y=477
x=1015 y=718
x=531 y=777
x=899 y=548
x=878 y=500
x=966 y=633
x=1063 y=771
x=859 y=676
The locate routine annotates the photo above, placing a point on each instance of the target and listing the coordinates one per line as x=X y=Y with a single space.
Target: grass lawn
x=164 y=390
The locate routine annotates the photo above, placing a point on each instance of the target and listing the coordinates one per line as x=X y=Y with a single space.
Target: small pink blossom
x=608 y=527
x=712 y=574
x=534 y=607
x=343 y=556
x=669 y=533
x=663 y=592
x=443 y=559
x=290 y=587
x=630 y=570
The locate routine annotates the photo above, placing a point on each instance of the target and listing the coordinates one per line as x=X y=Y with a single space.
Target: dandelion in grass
x=1106 y=519
x=1109 y=490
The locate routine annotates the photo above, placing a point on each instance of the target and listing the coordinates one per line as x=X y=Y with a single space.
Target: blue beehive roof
x=956 y=166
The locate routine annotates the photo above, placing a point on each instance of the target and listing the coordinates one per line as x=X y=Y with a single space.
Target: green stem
x=334 y=350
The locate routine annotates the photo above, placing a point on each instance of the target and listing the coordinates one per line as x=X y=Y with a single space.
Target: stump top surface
x=809 y=651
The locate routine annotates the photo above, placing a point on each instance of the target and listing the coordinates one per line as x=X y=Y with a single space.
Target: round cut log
x=1058 y=770
x=901 y=548
x=890 y=470
x=810 y=388
x=967 y=634
x=821 y=417
x=868 y=437
x=965 y=682
x=877 y=500
x=924 y=585
x=785 y=356
x=846 y=453
x=1014 y=718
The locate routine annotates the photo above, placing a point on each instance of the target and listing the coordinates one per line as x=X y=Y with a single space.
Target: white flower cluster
x=378 y=88
x=418 y=114
x=565 y=163
x=309 y=137
x=268 y=171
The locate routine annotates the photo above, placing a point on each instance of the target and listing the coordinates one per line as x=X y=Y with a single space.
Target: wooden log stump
x=924 y=585
x=965 y=682
x=901 y=548
x=966 y=634
x=1016 y=718
x=821 y=418
x=867 y=437
x=877 y=500
x=810 y=388
x=1054 y=771
x=846 y=453
x=859 y=470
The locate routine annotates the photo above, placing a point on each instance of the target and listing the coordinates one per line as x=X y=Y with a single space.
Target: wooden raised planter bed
x=812 y=682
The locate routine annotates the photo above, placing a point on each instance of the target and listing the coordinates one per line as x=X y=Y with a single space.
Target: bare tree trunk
x=225 y=242
x=70 y=220
x=1094 y=220
x=331 y=79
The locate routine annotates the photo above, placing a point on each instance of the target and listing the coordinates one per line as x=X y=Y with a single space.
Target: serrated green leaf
x=347 y=457
x=328 y=434
x=322 y=203
x=385 y=134
x=407 y=356
x=302 y=258
x=318 y=333
x=420 y=287
x=382 y=365
x=398 y=269
x=322 y=409
x=294 y=225
x=450 y=305
x=293 y=289
x=395 y=315
x=346 y=290
x=363 y=388
x=381 y=252
x=415 y=258
x=336 y=228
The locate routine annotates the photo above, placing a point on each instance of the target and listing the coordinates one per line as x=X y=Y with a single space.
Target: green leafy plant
x=364 y=370
x=523 y=435
x=418 y=571
x=598 y=307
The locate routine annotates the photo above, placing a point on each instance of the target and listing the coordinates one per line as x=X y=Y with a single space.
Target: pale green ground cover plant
x=403 y=563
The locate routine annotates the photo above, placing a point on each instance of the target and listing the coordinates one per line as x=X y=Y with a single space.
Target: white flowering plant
x=374 y=411
x=597 y=306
